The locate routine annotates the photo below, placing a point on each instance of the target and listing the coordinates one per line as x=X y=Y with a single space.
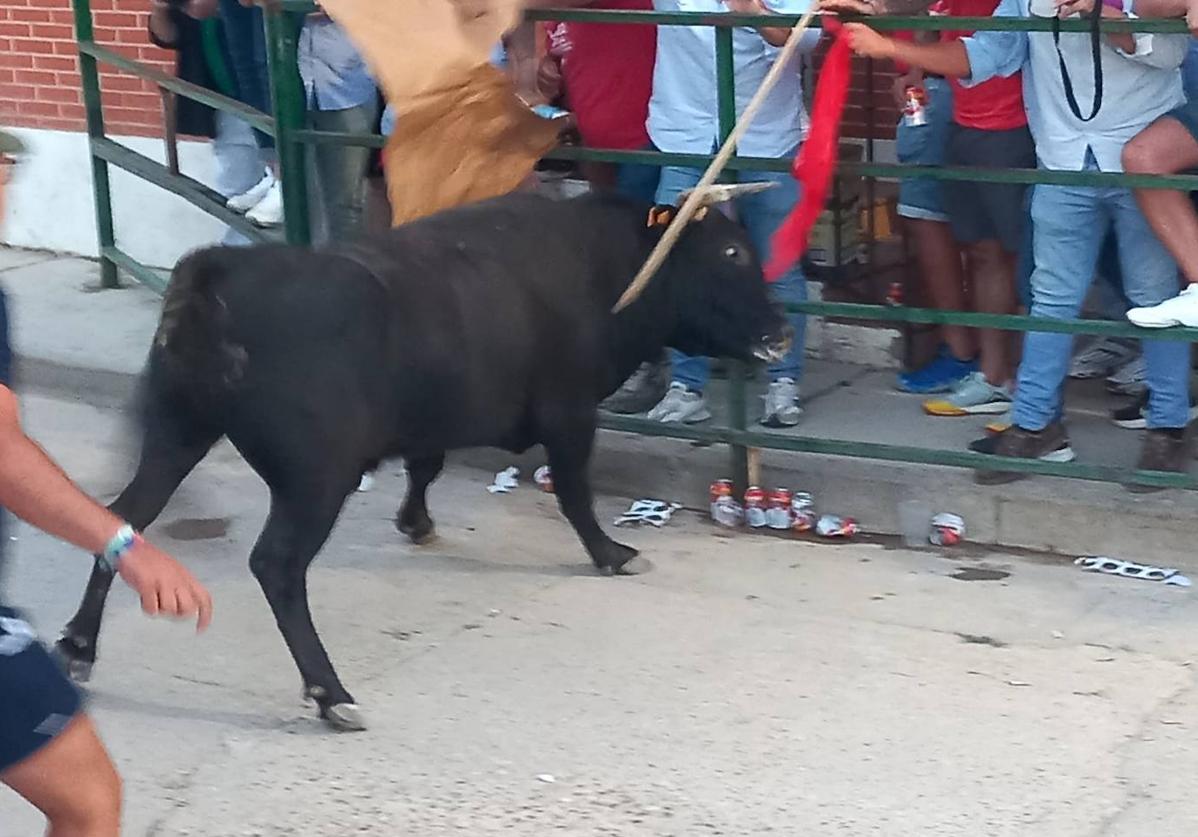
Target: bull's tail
x=193 y=344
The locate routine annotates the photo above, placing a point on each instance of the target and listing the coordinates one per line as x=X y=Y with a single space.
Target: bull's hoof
x=419 y=532
x=344 y=717
x=77 y=669
x=633 y=566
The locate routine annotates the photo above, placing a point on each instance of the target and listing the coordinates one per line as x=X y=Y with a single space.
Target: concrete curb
x=1057 y=516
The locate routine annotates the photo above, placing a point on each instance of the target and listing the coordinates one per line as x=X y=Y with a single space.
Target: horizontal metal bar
x=890 y=23
x=190 y=190
x=1007 y=322
x=255 y=118
x=358 y=140
x=893 y=453
x=147 y=276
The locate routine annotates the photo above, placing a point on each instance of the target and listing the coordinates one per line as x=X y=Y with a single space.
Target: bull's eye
x=732 y=252
x=736 y=254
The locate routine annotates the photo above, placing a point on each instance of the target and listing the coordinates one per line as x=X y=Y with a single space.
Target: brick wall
x=39 y=67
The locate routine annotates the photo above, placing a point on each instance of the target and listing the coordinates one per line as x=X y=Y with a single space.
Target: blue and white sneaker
x=941 y=375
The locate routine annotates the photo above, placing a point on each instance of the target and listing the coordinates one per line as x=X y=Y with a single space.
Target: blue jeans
x=638 y=181
x=1070 y=225
x=246 y=39
x=761 y=214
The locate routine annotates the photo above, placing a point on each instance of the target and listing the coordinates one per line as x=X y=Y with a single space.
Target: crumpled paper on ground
x=654 y=512
x=462 y=134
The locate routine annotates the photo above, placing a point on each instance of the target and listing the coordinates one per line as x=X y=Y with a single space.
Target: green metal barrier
x=286 y=125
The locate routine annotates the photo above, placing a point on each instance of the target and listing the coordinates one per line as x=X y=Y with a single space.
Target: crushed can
x=915 y=109
x=777 y=514
x=947 y=529
x=727 y=512
x=755 y=506
x=802 y=512
x=718 y=491
x=543 y=477
x=832 y=526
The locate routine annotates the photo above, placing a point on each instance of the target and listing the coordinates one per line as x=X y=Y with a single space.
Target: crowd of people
x=990 y=100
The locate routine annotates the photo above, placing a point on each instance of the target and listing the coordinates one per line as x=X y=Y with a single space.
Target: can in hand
x=915 y=111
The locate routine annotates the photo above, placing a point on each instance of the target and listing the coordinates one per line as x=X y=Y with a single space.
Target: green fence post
x=287 y=100
x=94 y=109
x=726 y=91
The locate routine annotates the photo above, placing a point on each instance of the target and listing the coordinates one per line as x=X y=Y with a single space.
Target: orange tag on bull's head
x=661 y=215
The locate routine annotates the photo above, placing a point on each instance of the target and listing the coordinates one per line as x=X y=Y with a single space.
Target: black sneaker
x=1135 y=415
x=1165 y=449
x=643 y=389
x=1048 y=445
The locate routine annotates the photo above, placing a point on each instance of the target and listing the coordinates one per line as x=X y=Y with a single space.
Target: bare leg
x=992 y=280
x=1167 y=147
x=939 y=260
x=73 y=782
x=413 y=519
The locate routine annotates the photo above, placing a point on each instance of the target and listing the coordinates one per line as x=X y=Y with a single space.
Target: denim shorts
x=924 y=145
x=1187 y=115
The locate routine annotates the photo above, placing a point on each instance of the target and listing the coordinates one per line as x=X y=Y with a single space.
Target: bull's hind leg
x=569 y=452
x=413 y=519
x=301 y=517
x=169 y=453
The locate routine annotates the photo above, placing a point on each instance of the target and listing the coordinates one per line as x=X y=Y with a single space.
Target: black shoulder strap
x=1095 y=51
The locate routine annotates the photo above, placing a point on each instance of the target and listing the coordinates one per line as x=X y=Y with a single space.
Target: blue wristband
x=124 y=540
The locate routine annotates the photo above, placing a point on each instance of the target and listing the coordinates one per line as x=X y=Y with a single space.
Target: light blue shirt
x=335 y=76
x=1137 y=87
x=684 y=109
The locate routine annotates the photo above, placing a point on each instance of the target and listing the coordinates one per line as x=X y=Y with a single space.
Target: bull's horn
x=724 y=192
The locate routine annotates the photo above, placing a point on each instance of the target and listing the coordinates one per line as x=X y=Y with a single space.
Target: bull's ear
x=724 y=192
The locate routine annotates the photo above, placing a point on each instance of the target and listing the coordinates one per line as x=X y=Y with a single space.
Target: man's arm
x=36 y=490
x=945 y=59
x=164 y=32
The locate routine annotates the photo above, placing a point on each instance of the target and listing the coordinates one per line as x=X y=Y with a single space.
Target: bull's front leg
x=413 y=519
x=569 y=452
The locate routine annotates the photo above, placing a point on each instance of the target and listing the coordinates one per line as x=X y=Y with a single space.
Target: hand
x=746 y=7
x=165 y=586
x=202 y=9
x=549 y=79
x=1192 y=17
x=852 y=7
x=1068 y=8
x=868 y=43
x=913 y=78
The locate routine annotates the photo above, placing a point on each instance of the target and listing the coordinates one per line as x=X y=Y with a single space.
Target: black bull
x=490 y=325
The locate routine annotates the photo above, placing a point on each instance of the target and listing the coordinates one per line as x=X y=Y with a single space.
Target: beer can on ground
x=718 y=490
x=755 y=506
x=802 y=512
x=947 y=529
x=915 y=111
x=727 y=513
x=777 y=515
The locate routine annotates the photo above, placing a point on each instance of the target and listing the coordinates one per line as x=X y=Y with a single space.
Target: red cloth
x=607 y=71
x=816 y=161
x=994 y=105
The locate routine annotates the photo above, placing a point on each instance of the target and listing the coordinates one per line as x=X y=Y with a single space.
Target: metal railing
x=286 y=125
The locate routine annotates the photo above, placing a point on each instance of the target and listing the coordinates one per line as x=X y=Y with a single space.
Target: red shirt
x=607 y=71
x=994 y=105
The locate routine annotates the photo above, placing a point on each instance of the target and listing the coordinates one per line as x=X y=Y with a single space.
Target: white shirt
x=1137 y=87
x=684 y=108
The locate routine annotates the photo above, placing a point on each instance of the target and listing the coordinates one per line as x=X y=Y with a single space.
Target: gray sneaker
x=643 y=389
x=681 y=405
x=781 y=404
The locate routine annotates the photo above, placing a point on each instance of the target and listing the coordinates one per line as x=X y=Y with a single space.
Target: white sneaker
x=1181 y=310
x=269 y=211
x=253 y=196
x=680 y=405
x=366 y=483
x=782 y=404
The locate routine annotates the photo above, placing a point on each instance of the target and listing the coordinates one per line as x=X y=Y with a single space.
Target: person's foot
x=1048 y=445
x=681 y=405
x=782 y=404
x=940 y=375
x=1164 y=449
x=1130 y=378
x=1181 y=310
x=1134 y=416
x=643 y=389
x=269 y=211
x=366 y=483
x=253 y=196
x=972 y=396
x=1101 y=358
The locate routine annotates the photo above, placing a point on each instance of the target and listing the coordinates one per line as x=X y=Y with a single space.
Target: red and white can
x=755 y=506
x=777 y=515
x=915 y=109
x=802 y=512
x=719 y=489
